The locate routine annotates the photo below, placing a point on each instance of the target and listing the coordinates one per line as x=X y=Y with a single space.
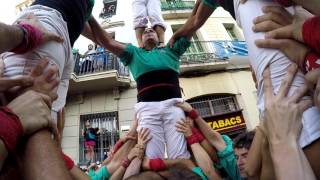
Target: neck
x=149 y=46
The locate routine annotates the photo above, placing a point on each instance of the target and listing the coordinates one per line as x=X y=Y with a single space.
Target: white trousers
x=260 y=58
x=160 y=118
x=57 y=53
x=144 y=9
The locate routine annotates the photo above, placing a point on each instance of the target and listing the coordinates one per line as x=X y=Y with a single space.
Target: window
x=108 y=125
x=230 y=30
x=215 y=105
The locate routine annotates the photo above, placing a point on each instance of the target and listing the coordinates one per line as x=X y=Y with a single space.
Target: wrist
x=125 y=162
x=311 y=61
x=193 y=114
x=192 y=139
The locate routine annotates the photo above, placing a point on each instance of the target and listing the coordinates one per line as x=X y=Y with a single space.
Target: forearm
x=202 y=15
x=290 y=162
x=77 y=174
x=10 y=37
x=118 y=174
x=203 y=160
x=87 y=32
x=104 y=39
x=212 y=136
x=42 y=151
x=311 y=5
x=253 y=164
x=210 y=150
x=3 y=153
x=134 y=168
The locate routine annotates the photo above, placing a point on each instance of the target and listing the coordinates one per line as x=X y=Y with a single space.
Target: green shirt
x=228 y=160
x=141 y=61
x=89 y=9
x=101 y=174
x=199 y=172
x=211 y=3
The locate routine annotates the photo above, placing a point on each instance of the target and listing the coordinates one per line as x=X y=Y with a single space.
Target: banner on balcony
x=227 y=49
x=227 y=122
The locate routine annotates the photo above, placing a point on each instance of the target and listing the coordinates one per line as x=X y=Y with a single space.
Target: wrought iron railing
x=213 y=51
x=107 y=123
x=217 y=106
x=167 y=5
x=99 y=62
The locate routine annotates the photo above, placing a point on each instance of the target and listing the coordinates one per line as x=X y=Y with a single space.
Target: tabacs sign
x=227 y=122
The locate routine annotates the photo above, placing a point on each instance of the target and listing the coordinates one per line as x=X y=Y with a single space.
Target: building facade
x=215 y=78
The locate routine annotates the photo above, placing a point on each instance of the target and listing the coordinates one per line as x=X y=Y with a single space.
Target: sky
x=8 y=11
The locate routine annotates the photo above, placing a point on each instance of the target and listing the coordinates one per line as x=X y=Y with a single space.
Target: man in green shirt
x=156 y=71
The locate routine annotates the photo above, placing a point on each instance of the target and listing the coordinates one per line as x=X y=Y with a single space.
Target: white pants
x=142 y=9
x=260 y=58
x=160 y=118
x=57 y=53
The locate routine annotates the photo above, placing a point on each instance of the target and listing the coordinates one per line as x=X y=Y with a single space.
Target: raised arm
x=102 y=37
x=201 y=156
x=283 y=117
x=211 y=135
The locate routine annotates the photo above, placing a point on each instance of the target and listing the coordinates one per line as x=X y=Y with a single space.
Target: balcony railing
x=167 y=5
x=216 y=107
x=213 y=51
x=99 y=62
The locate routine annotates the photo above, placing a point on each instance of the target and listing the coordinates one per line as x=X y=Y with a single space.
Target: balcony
x=213 y=56
x=173 y=9
x=98 y=71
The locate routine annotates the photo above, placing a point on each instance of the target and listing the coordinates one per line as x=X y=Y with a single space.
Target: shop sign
x=227 y=122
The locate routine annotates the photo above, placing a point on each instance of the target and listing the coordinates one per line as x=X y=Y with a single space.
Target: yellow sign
x=226 y=121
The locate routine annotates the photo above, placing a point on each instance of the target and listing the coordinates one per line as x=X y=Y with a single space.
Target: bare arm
x=283 y=124
x=104 y=39
x=134 y=168
x=10 y=37
x=77 y=174
x=253 y=165
x=210 y=150
x=311 y=5
x=87 y=32
x=202 y=158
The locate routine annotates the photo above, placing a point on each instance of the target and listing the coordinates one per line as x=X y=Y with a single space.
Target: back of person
x=58 y=54
x=74 y=12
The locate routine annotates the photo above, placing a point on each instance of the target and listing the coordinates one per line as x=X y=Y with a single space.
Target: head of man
x=242 y=145
x=150 y=38
x=88 y=124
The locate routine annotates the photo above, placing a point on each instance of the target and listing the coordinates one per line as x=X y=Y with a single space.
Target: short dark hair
x=244 y=140
x=181 y=172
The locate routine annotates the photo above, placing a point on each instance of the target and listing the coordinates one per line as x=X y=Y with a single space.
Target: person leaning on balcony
x=66 y=19
x=144 y=10
x=156 y=71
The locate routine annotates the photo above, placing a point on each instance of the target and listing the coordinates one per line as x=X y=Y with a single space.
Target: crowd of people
x=168 y=139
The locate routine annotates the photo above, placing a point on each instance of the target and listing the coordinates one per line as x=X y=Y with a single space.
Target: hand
x=93 y=166
x=274 y=17
x=184 y=127
x=136 y=152
x=162 y=45
x=179 y=33
x=294 y=50
x=243 y=1
x=8 y=83
x=313 y=82
x=45 y=82
x=133 y=129
x=292 y=31
x=31 y=19
x=283 y=114
x=186 y=107
x=143 y=137
x=34 y=111
x=128 y=137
